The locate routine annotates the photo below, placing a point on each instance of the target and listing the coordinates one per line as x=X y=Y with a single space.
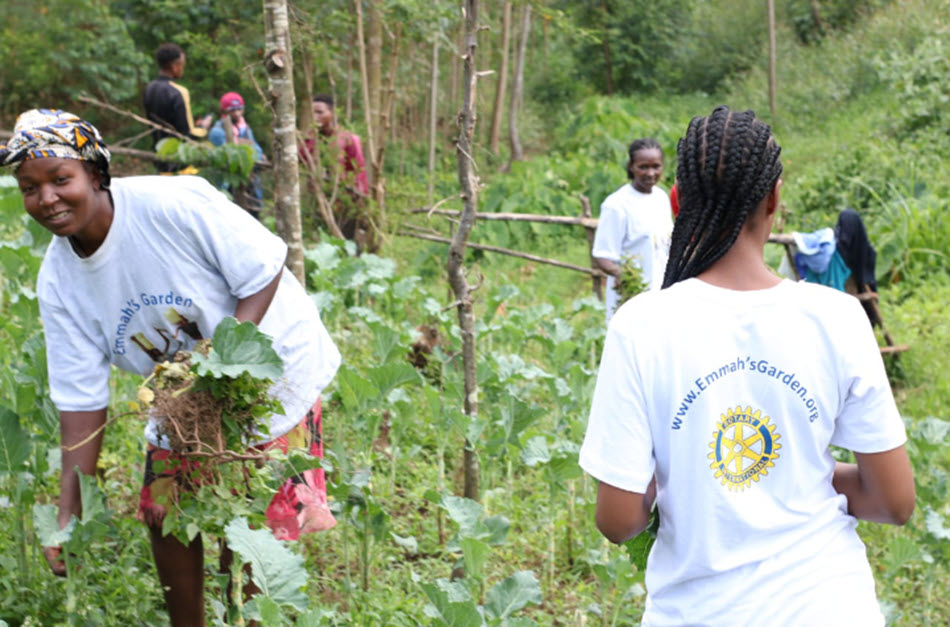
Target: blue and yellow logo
x=743 y=447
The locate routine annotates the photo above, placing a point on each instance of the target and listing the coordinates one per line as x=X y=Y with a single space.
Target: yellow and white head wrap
x=42 y=133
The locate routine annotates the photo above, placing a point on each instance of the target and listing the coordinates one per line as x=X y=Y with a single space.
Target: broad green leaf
x=901 y=552
x=378 y=267
x=325 y=255
x=239 y=347
x=390 y=376
x=410 y=544
x=446 y=611
x=47 y=528
x=268 y=612
x=565 y=467
x=536 y=451
x=167 y=147
x=463 y=511
x=14 y=442
x=475 y=553
x=278 y=572
x=497 y=527
x=355 y=390
x=385 y=340
x=93 y=500
x=936 y=525
x=508 y=596
x=933 y=430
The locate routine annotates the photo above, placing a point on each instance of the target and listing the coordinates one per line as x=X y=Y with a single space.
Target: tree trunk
x=502 y=84
x=279 y=63
x=517 y=154
x=608 y=64
x=455 y=266
x=374 y=53
x=364 y=80
x=772 y=88
x=433 y=115
x=348 y=114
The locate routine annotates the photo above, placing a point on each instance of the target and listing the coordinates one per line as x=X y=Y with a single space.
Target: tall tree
x=468 y=180
x=517 y=89
x=433 y=116
x=502 y=84
x=279 y=63
x=374 y=59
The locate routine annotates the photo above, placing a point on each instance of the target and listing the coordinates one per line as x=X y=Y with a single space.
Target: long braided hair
x=728 y=162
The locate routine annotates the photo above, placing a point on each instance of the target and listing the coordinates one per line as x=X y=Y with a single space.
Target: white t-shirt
x=177 y=258
x=732 y=398
x=634 y=224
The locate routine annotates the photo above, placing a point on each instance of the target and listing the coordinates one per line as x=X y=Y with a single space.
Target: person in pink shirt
x=344 y=170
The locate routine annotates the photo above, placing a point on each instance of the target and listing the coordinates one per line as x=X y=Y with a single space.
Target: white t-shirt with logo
x=638 y=225
x=731 y=399
x=177 y=258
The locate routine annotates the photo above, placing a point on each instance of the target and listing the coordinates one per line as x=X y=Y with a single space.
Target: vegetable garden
x=408 y=549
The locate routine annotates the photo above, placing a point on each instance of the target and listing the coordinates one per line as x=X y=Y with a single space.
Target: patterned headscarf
x=42 y=133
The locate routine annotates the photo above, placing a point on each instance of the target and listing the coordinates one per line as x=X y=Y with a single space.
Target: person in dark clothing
x=856 y=249
x=169 y=103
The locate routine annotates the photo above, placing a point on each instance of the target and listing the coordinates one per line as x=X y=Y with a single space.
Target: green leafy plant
x=227 y=165
x=630 y=282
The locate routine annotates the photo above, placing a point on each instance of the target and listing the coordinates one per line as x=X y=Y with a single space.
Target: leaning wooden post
x=279 y=62
x=468 y=181
x=597 y=280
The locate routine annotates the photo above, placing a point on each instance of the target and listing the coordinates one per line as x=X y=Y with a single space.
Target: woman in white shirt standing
x=718 y=398
x=635 y=222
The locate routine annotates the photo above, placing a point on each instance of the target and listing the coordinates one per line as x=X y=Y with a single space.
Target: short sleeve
x=618 y=445
x=246 y=254
x=78 y=369
x=868 y=420
x=608 y=238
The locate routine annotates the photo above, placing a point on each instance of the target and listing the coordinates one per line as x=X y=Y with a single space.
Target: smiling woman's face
x=65 y=197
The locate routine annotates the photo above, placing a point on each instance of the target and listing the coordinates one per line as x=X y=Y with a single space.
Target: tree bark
x=433 y=115
x=502 y=84
x=374 y=53
x=279 y=63
x=364 y=81
x=468 y=182
x=517 y=153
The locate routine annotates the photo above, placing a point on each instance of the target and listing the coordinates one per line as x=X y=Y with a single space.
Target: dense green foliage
x=862 y=123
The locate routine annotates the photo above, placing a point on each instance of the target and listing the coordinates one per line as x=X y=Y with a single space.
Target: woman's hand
x=54 y=557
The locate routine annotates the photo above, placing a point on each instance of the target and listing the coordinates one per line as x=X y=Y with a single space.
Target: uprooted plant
x=213 y=402
x=630 y=280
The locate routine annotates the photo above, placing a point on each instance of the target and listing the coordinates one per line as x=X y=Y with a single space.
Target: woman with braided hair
x=718 y=398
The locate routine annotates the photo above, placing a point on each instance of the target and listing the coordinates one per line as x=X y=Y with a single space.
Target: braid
x=728 y=162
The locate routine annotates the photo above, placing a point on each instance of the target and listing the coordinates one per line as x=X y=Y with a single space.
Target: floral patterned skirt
x=300 y=506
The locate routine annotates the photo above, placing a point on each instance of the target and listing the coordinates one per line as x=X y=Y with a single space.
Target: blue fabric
x=835 y=275
x=216 y=136
x=814 y=250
